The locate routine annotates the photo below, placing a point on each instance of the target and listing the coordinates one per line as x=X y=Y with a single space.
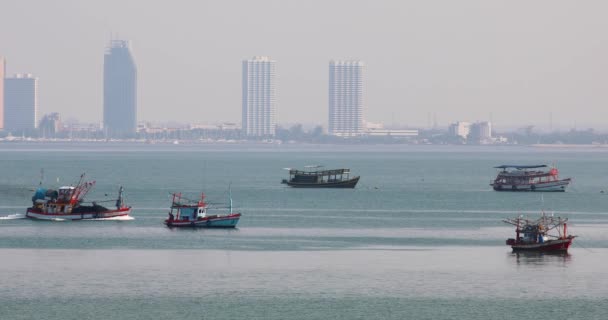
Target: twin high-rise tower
x=119 y=91
x=345 y=98
x=259 y=100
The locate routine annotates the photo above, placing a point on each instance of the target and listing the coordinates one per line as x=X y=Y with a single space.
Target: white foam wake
x=13 y=216
x=120 y=218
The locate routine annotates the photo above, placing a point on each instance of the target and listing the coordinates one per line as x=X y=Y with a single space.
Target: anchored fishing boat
x=67 y=203
x=313 y=178
x=193 y=214
x=529 y=178
x=546 y=234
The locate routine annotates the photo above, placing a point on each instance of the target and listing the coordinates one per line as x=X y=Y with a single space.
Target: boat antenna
x=41 y=176
x=542 y=202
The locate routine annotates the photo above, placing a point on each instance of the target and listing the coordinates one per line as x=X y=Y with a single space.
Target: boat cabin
x=321 y=176
x=188 y=210
x=189 y=213
x=65 y=193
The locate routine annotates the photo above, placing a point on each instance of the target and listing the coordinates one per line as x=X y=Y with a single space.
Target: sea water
x=420 y=237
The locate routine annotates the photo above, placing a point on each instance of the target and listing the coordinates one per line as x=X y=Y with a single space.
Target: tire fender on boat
x=533 y=187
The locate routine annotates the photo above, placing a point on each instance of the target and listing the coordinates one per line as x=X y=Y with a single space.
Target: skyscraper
x=119 y=90
x=259 y=109
x=21 y=104
x=2 y=68
x=346 y=98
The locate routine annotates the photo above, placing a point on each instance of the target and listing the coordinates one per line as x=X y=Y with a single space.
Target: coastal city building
x=2 y=71
x=375 y=132
x=119 y=91
x=374 y=129
x=346 y=98
x=50 y=125
x=481 y=132
x=20 y=104
x=459 y=129
x=259 y=103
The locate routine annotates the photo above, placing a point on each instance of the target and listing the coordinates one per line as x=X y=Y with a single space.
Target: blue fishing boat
x=186 y=213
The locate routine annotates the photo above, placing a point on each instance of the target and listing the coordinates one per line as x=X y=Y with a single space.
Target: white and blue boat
x=528 y=178
x=185 y=213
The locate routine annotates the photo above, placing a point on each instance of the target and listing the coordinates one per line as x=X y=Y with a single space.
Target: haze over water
x=420 y=237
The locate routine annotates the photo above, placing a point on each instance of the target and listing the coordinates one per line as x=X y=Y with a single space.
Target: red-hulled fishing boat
x=67 y=203
x=546 y=234
x=193 y=214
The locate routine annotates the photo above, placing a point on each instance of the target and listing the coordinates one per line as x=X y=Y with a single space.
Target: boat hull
x=104 y=215
x=552 y=186
x=560 y=245
x=219 y=221
x=350 y=183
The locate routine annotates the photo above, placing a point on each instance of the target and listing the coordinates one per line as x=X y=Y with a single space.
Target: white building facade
x=346 y=98
x=259 y=97
x=20 y=104
x=459 y=129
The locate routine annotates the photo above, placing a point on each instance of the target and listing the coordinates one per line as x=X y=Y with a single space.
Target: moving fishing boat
x=67 y=203
x=529 y=178
x=186 y=213
x=546 y=234
x=313 y=178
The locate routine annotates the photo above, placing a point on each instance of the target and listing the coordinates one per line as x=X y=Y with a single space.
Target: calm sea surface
x=420 y=237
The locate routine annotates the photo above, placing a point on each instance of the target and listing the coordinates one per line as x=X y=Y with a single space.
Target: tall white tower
x=346 y=98
x=259 y=105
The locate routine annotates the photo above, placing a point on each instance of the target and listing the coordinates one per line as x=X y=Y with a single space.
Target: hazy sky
x=511 y=61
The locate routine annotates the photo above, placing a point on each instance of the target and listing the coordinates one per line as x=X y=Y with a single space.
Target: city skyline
x=464 y=60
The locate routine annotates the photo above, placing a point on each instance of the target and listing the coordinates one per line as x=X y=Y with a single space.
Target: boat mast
x=172 y=204
x=517 y=229
x=119 y=201
x=230 y=196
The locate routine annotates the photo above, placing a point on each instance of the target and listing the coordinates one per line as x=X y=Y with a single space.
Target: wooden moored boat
x=312 y=178
x=528 y=178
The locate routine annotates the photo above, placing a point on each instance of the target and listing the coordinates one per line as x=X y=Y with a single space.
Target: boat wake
x=13 y=216
x=121 y=218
